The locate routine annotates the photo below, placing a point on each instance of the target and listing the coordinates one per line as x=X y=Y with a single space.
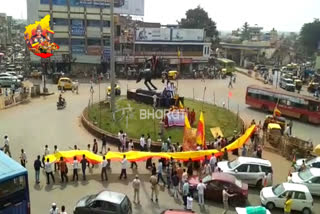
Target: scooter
x=61 y=105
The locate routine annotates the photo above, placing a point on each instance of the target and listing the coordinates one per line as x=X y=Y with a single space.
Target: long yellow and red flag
x=141 y=156
x=201 y=138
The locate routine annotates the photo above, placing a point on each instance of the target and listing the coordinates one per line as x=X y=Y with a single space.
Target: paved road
x=31 y=126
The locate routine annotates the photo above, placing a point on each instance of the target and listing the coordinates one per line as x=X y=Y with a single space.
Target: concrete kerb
x=112 y=138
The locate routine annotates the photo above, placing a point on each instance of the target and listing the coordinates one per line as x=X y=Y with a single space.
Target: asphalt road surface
x=31 y=126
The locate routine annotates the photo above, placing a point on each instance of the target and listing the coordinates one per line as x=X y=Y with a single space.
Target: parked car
x=105 y=202
x=314 y=162
x=8 y=75
x=215 y=185
x=171 y=211
x=310 y=178
x=256 y=209
x=65 y=83
x=7 y=81
x=276 y=196
x=249 y=170
x=13 y=73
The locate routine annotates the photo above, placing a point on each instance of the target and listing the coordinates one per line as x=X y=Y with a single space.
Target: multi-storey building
x=82 y=30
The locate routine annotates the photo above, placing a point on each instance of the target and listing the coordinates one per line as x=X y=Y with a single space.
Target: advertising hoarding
x=100 y=3
x=131 y=7
x=153 y=34
x=187 y=35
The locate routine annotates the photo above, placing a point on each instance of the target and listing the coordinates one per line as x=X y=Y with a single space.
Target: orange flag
x=189 y=137
x=201 y=139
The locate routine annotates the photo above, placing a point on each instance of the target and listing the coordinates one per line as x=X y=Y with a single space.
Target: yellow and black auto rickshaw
x=298 y=84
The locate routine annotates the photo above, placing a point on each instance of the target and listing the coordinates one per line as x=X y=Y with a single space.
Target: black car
x=105 y=202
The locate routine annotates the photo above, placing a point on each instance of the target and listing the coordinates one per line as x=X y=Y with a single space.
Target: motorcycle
x=61 y=105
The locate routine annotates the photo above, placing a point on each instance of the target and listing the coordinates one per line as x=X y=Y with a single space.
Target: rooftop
x=9 y=168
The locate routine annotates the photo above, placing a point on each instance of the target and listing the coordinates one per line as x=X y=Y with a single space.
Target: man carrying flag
x=201 y=140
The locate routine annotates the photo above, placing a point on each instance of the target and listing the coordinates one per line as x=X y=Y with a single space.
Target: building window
x=77 y=41
x=106 y=41
x=60 y=41
x=57 y=21
x=74 y=2
x=44 y=1
x=106 y=23
x=59 y=2
x=77 y=22
x=94 y=42
x=93 y=23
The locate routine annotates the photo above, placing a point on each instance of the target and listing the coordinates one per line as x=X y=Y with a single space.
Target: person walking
x=124 y=164
x=104 y=165
x=84 y=163
x=75 y=166
x=46 y=152
x=104 y=144
x=225 y=199
x=185 y=193
x=6 y=147
x=230 y=82
x=54 y=209
x=95 y=146
x=63 y=210
x=120 y=135
x=63 y=170
x=56 y=164
x=160 y=169
x=154 y=169
x=23 y=158
x=136 y=189
x=154 y=186
x=142 y=142
x=201 y=187
x=149 y=142
x=37 y=165
x=287 y=205
x=212 y=161
x=48 y=169
x=175 y=183
x=290 y=127
x=189 y=202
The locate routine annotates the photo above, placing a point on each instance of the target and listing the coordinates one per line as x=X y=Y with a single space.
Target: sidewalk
x=245 y=72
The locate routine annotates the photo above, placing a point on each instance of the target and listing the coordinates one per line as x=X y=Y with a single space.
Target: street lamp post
x=112 y=65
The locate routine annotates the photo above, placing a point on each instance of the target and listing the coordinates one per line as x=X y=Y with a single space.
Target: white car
x=314 y=162
x=310 y=178
x=8 y=75
x=276 y=196
x=249 y=170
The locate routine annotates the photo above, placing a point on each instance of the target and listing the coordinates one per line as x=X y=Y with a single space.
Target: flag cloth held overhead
x=201 y=140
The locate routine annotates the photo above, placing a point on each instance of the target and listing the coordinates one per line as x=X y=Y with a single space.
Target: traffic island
x=136 y=118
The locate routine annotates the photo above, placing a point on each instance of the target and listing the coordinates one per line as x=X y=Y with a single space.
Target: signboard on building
x=100 y=3
x=131 y=7
x=153 y=34
x=188 y=35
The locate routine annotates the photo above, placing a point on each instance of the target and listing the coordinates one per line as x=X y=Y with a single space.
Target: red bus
x=305 y=108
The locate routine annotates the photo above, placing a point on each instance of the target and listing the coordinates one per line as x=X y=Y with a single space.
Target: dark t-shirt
x=104 y=141
x=84 y=163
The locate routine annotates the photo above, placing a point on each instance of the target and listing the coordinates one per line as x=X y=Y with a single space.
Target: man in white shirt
x=46 y=152
x=54 y=209
x=104 y=165
x=120 y=135
x=136 y=188
x=6 y=146
x=23 y=158
x=189 y=202
x=75 y=166
x=48 y=169
x=212 y=161
x=149 y=142
x=160 y=169
x=142 y=142
x=201 y=187
x=124 y=164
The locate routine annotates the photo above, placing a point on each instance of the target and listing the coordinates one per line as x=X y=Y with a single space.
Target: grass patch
x=214 y=117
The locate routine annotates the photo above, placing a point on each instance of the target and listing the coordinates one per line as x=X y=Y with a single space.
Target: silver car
x=104 y=202
x=310 y=178
x=250 y=170
x=314 y=162
x=7 y=81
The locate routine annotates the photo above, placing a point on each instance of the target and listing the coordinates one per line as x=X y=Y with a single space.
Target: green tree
x=199 y=18
x=245 y=34
x=310 y=36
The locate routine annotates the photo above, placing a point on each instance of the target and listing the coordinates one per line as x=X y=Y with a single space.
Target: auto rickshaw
x=274 y=134
x=274 y=119
x=173 y=75
x=298 y=84
x=117 y=90
x=313 y=87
